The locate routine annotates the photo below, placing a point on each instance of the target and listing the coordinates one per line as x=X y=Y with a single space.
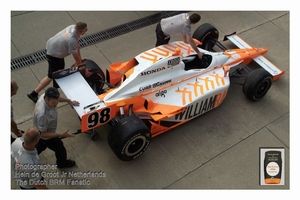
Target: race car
x=163 y=87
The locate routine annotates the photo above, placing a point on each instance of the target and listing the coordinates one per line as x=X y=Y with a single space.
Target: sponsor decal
x=63 y=73
x=155 y=85
x=148 y=87
x=201 y=107
x=267 y=65
x=73 y=69
x=173 y=62
x=161 y=93
x=145 y=73
x=161 y=83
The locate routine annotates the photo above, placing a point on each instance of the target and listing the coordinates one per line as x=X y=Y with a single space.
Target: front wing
x=261 y=60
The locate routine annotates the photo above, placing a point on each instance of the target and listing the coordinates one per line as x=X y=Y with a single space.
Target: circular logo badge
x=272 y=169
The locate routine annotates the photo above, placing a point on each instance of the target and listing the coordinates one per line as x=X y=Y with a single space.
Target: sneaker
x=33 y=97
x=66 y=164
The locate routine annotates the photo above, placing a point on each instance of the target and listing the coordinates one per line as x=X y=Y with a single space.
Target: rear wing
x=92 y=111
x=261 y=60
x=75 y=87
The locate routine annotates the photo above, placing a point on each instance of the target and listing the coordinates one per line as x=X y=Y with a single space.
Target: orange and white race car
x=163 y=87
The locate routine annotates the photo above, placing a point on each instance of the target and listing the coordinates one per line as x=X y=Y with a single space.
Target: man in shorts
x=178 y=25
x=58 y=47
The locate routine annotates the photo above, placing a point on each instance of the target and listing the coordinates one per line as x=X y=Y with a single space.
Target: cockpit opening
x=193 y=62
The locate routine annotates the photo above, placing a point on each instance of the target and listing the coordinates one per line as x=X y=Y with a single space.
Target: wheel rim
x=135 y=146
x=263 y=88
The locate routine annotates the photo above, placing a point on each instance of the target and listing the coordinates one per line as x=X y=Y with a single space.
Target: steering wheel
x=205 y=60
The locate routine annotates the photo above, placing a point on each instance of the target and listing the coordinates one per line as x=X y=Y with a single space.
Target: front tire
x=257 y=84
x=129 y=137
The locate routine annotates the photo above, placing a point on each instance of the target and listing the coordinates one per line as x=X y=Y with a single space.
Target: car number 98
x=101 y=117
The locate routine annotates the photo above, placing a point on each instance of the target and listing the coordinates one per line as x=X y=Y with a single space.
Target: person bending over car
x=175 y=26
x=58 y=47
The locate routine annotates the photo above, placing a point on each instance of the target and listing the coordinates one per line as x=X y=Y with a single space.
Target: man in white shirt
x=27 y=173
x=175 y=26
x=58 y=47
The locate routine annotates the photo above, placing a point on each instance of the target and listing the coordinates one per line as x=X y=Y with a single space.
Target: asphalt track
x=218 y=150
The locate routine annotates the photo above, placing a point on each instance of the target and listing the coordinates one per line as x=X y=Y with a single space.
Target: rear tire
x=129 y=137
x=257 y=84
x=206 y=33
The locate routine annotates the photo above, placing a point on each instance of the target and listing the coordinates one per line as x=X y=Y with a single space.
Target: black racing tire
x=257 y=84
x=129 y=138
x=96 y=80
x=206 y=33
